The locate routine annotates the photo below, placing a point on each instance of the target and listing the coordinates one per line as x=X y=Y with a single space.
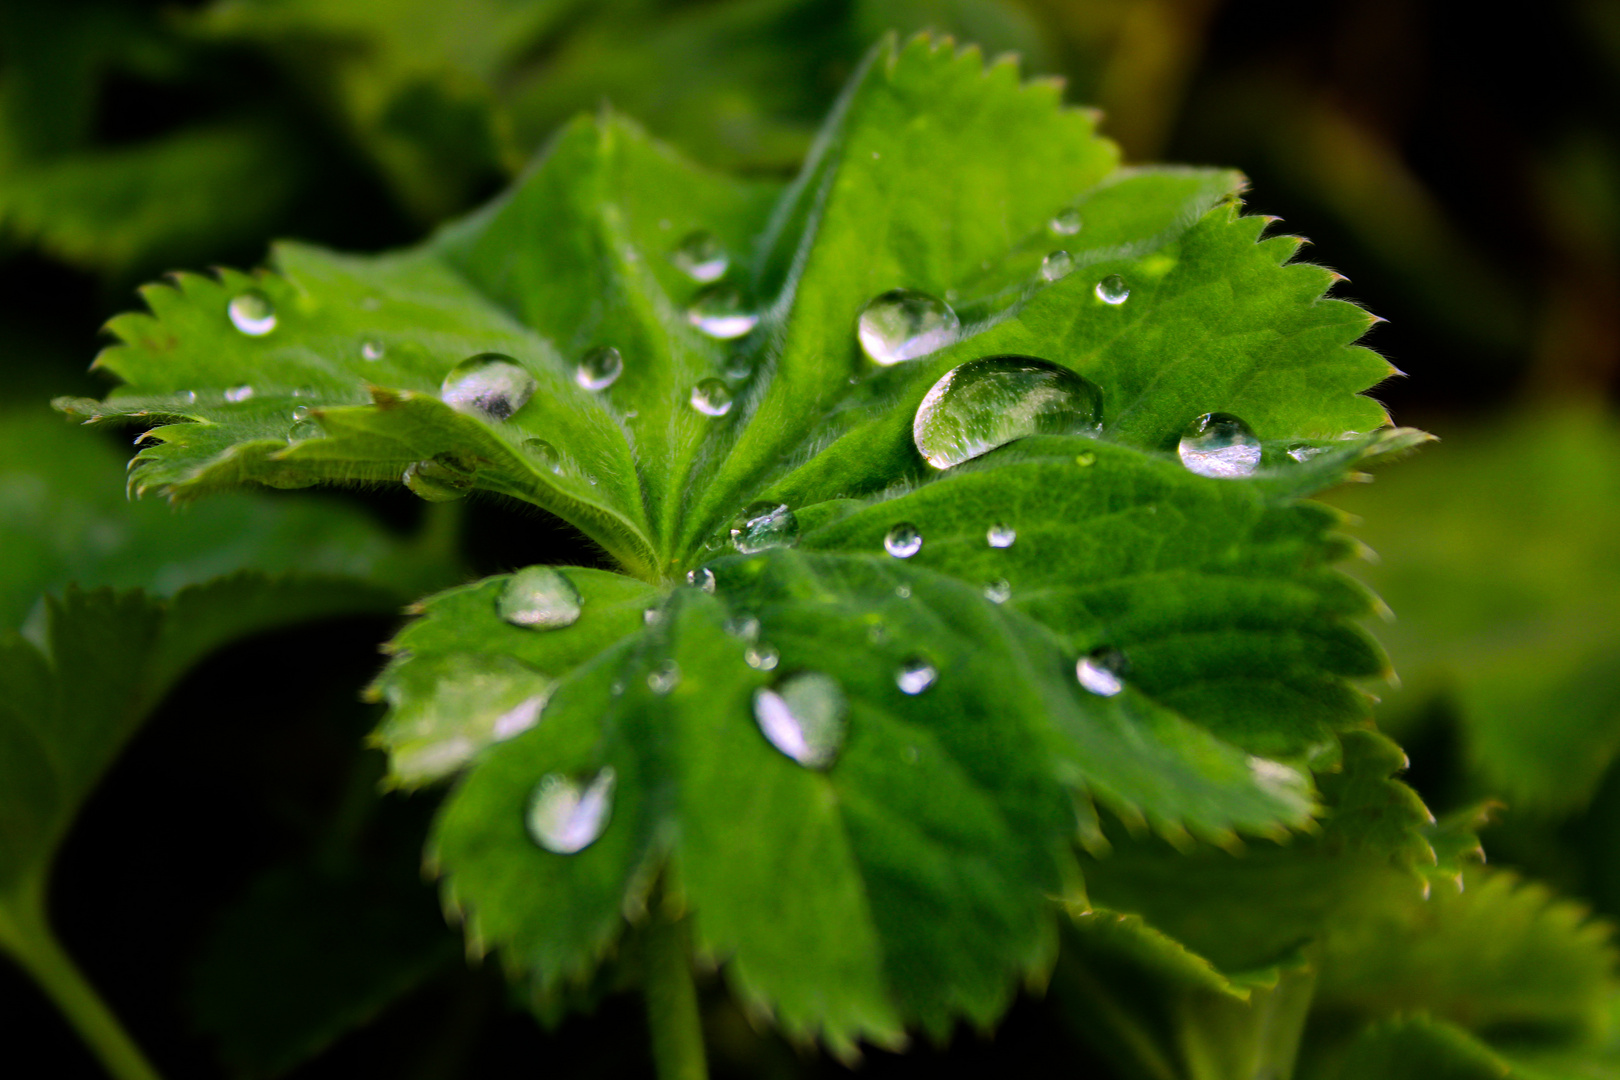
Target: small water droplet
x=300 y=413
x=701 y=258
x=743 y=627
x=304 y=430
x=1102 y=671
x=520 y=718
x=711 y=397
x=998 y=592
x=1001 y=536
x=903 y=541
x=566 y=816
x=545 y=453
x=989 y=402
x=1303 y=452
x=915 y=676
x=804 y=717
x=664 y=678
x=1113 y=290
x=877 y=633
x=719 y=311
x=540 y=598
x=252 y=313
x=490 y=385
x=599 y=368
x=701 y=578
x=1067 y=223
x=762 y=657
x=239 y=393
x=1059 y=264
x=438 y=479
x=903 y=591
x=1220 y=445
x=903 y=324
x=764 y=525
x=372 y=349
x=652 y=617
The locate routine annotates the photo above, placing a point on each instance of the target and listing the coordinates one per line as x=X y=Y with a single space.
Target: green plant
x=947 y=641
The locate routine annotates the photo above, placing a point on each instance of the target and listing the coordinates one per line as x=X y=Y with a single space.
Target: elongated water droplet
x=545 y=453
x=664 y=678
x=599 y=368
x=701 y=578
x=711 y=397
x=720 y=312
x=1113 y=290
x=1059 y=264
x=239 y=393
x=372 y=349
x=903 y=324
x=1220 y=445
x=1001 y=536
x=489 y=385
x=701 y=258
x=762 y=657
x=252 y=313
x=903 y=541
x=1102 y=672
x=565 y=815
x=438 y=479
x=998 y=592
x=540 y=598
x=762 y=526
x=1300 y=452
x=743 y=626
x=804 y=717
x=1067 y=223
x=989 y=402
x=915 y=676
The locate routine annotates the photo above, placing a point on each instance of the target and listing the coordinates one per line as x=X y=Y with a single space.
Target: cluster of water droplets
x=903 y=324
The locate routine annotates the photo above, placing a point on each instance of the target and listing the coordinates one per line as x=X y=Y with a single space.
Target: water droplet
x=1067 y=223
x=652 y=617
x=720 y=312
x=998 y=592
x=599 y=368
x=489 y=385
x=1102 y=671
x=1001 y=536
x=664 y=678
x=520 y=718
x=304 y=430
x=903 y=541
x=539 y=597
x=989 y=402
x=762 y=657
x=1113 y=290
x=300 y=413
x=1300 y=452
x=702 y=578
x=764 y=525
x=1217 y=444
x=565 y=815
x=915 y=676
x=252 y=313
x=804 y=717
x=438 y=479
x=545 y=453
x=239 y=393
x=701 y=258
x=903 y=591
x=372 y=349
x=743 y=626
x=711 y=397
x=902 y=325
x=1059 y=264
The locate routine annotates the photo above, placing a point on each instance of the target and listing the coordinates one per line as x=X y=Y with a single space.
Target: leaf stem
x=672 y=1011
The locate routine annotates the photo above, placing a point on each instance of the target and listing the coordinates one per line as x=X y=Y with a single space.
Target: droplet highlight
x=600 y=368
x=721 y=313
x=762 y=657
x=238 y=394
x=701 y=258
x=539 y=598
x=372 y=349
x=1113 y=290
x=438 y=479
x=764 y=525
x=711 y=397
x=1219 y=445
x=1102 y=672
x=903 y=541
x=915 y=676
x=804 y=718
x=1059 y=264
x=1001 y=536
x=252 y=313
x=989 y=402
x=903 y=324
x=998 y=592
x=492 y=386
x=566 y=816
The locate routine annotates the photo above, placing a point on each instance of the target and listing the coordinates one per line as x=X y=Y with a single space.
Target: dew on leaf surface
x=1303 y=452
x=701 y=258
x=1059 y=264
x=252 y=313
x=545 y=453
x=490 y=385
x=903 y=541
x=804 y=717
x=762 y=657
x=989 y=402
x=1113 y=290
x=239 y=393
x=1001 y=536
x=701 y=578
x=664 y=678
x=652 y=617
x=438 y=479
x=998 y=592
x=743 y=626
x=372 y=349
x=711 y=397
x=764 y=525
x=903 y=324
x=304 y=428
x=1219 y=445
x=1066 y=224
x=540 y=598
x=566 y=816
x=599 y=368
x=915 y=676
x=721 y=313
x=903 y=591
x=1102 y=671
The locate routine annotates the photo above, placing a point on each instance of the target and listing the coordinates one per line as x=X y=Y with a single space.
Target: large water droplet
x=489 y=385
x=762 y=657
x=1102 y=671
x=720 y=312
x=902 y=325
x=566 y=815
x=711 y=397
x=804 y=718
x=915 y=676
x=252 y=313
x=664 y=678
x=438 y=479
x=1067 y=223
x=701 y=578
x=599 y=368
x=903 y=541
x=764 y=525
x=1217 y=444
x=989 y=402
x=701 y=258
x=1113 y=290
x=1001 y=536
x=545 y=453
x=539 y=597
x=1059 y=264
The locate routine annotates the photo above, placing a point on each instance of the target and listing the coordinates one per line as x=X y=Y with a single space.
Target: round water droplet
x=565 y=815
x=1059 y=264
x=762 y=657
x=1217 y=444
x=664 y=678
x=239 y=393
x=903 y=541
x=540 y=598
x=902 y=325
x=720 y=312
x=1001 y=536
x=305 y=429
x=711 y=397
x=599 y=368
x=439 y=479
x=915 y=676
x=252 y=313
x=1113 y=290
x=903 y=591
x=804 y=717
x=989 y=402
x=1102 y=672
x=545 y=453
x=743 y=626
x=762 y=526
x=701 y=258
x=490 y=385
x=998 y=592
x=300 y=413
x=1067 y=223
x=701 y=578
x=372 y=349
